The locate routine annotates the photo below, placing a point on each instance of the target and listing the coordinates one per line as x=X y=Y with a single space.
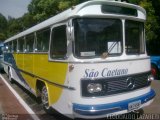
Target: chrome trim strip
x=102 y=110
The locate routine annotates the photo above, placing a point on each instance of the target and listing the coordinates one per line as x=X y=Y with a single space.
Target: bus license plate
x=134 y=105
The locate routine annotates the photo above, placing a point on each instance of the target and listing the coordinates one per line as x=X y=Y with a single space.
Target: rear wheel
x=155 y=71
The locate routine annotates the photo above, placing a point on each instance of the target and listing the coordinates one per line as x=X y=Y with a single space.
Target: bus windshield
x=134 y=35
x=93 y=37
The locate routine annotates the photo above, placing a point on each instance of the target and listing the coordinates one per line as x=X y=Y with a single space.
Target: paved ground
x=10 y=105
x=155 y=106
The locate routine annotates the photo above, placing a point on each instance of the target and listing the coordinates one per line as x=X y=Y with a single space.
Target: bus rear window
x=119 y=10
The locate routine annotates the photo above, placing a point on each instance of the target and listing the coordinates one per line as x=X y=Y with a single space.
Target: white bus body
x=107 y=68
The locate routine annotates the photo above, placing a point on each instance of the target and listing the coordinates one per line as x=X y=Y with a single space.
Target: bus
x=89 y=61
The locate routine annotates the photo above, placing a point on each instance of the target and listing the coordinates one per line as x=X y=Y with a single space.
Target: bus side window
x=1 y=49
x=10 y=47
x=29 y=43
x=43 y=40
x=5 y=47
x=14 y=48
x=59 y=42
x=21 y=45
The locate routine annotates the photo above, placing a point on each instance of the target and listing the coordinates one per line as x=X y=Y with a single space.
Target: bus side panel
x=6 y=61
x=54 y=72
x=28 y=67
x=19 y=61
x=17 y=68
x=9 y=59
x=38 y=65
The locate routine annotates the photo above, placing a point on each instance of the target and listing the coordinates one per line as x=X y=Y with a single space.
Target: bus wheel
x=44 y=99
x=10 y=76
x=154 y=71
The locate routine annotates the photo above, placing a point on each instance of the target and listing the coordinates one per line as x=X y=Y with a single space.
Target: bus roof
x=84 y=9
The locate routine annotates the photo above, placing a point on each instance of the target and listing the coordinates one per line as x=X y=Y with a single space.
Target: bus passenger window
x=59 y=42
x=10 y=46
x=43 y=40
x=29 y=43
x=6 y=47
x=14 y=46
x=21 y=45
x=1 y=50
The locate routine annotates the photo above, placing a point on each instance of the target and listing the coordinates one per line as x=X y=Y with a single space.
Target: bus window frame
x=10 y=45
x=143 y=39
x=65 y=58
x=94 y=57
x=29 y=35
x=14 y=50
x=35 y=50
x=20 y=38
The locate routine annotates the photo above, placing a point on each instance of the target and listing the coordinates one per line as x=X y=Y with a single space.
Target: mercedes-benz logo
x=130 y=83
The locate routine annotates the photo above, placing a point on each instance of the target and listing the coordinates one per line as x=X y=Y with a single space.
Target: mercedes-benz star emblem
x=130 y=83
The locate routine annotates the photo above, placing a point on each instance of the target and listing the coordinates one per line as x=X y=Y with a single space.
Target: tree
x=156 y=5
x=3 y=27
x=27 y=21
x=43 y=9
x=39 y=10
x=151 y=25
x=14 y=26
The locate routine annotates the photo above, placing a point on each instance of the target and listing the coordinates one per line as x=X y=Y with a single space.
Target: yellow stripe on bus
x=39 y=65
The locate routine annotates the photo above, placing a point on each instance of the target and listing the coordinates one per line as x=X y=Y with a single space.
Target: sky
x=14 y=8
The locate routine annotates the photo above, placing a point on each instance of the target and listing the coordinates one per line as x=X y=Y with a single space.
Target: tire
x=46 y=107
x=45 y=101
x=10 y=76
x=155 y=71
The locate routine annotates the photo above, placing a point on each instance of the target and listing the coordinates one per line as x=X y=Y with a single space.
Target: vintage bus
x=89 y=61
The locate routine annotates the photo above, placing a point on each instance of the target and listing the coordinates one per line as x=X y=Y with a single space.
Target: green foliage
x=64 y=4
x=27 y=21
x=14 y=26
x=134 y=1
x=151 y=25
x=2 y=37
x=39 y=10
x=3 y=26
x=43 y=9
x=3 y=22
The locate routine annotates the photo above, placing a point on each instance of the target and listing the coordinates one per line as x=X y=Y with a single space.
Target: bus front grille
x=116 y=85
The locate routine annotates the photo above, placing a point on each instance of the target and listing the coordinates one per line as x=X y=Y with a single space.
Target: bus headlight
x=94 y=87
x=150 y=78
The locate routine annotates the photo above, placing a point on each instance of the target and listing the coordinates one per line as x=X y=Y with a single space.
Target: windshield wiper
x=105 y=54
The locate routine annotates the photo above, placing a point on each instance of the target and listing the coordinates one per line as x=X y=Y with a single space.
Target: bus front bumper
x=111 y=108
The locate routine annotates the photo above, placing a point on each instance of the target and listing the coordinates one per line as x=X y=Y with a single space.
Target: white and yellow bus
x=89 y=61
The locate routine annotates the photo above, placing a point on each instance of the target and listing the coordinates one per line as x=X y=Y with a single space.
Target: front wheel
x=45 y=101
